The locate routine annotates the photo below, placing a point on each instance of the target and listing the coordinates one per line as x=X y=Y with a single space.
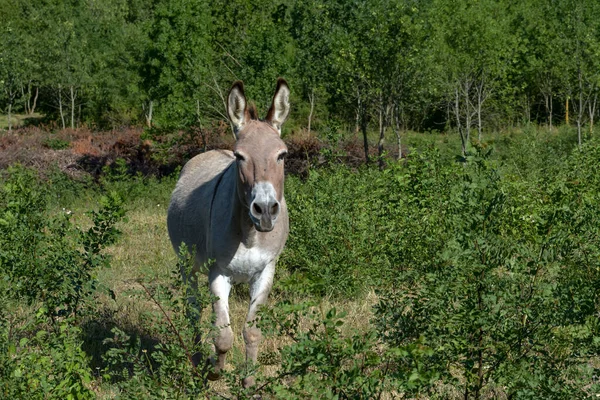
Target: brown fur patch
x=252 y=111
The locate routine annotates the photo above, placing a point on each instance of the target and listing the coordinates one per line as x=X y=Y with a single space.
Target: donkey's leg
x=260 y=287
x=220 y=287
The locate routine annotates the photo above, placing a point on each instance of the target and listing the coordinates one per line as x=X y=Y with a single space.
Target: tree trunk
x=567 y=111
x=311 y=99
x=396 y=127
x=551 y=110
x=27 y=97
x=547 y=105
x=363 y=128
x=60 y=107
x=578 y=132
x=527 y=109
x=37 y=91
x=481 y=97
x=72 y=90
x=381 y=137
x=592 y=111
x=148 y=113
x=546 y=90
x=580 y=111
x=458 y=122
x=11 y=94
x=358 y=111
x=467 y=112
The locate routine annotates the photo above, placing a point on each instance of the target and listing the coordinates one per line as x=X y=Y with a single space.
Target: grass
x=144 y=253
x=19 y=120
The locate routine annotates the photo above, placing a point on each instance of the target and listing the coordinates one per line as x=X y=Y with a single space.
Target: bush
x=509 y=299
x=486 y=270
x=327 y=251
x=324 y=362
x=353 y=230
x=166 y=370
x=56 y=143
x=38 y=363
x=43 y=256
x=50 y=264
x=135 y=188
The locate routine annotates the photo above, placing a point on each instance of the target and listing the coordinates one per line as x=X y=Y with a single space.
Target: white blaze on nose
x=263 y=193
x=264 y=207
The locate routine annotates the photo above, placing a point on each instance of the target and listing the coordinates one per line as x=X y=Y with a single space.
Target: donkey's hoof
x=248 y=381
x=213 y=376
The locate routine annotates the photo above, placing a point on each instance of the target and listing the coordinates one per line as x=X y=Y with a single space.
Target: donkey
x=229 y=206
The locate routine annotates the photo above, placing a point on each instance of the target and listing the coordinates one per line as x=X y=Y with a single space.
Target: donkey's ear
x=280 y=108
x=236 y=106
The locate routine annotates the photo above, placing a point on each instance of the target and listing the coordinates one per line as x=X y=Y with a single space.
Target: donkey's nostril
x=274 y=209
x=257 y=209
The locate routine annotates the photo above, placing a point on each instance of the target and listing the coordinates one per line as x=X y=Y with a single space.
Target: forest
x=431 y=65
x=442 y=185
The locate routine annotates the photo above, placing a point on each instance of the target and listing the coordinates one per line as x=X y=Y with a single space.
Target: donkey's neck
x=250 y=236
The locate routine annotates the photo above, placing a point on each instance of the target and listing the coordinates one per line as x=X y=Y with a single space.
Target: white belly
x=246 y=263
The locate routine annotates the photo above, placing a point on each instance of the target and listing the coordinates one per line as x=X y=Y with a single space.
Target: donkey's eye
x=282 y=156
x=238 y=156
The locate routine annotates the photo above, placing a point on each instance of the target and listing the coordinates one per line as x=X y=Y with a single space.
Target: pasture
x=436 y=277
x=441 y=183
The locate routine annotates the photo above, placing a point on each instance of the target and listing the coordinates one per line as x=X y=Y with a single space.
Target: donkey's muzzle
x=264 y=214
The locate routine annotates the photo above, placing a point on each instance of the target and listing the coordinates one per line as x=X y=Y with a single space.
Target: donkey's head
x=260 y=153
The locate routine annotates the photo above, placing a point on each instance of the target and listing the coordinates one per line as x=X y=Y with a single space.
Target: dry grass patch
x=144 y=251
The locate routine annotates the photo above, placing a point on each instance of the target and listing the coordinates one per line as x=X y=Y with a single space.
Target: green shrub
x=56 y=143
x=327 y=250
x=486 y=270
x=136 y=188
x=38 y=363
x=353 y=230
x=167 y=369
x=322 y=362
x=510 y=297
x=44 y=256
x=47 y=267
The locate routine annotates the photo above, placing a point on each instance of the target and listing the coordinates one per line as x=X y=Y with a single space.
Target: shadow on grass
x=137 y=344
x=95 y=330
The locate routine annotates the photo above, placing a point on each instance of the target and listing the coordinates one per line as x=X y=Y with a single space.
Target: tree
x=580 y=26
x=11 y=55
x=473 y=43
x=309 y=28
x=546 y=60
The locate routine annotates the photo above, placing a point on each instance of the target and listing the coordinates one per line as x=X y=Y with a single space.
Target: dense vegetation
x=481 y=276
x=469 y=269
x=418 y=64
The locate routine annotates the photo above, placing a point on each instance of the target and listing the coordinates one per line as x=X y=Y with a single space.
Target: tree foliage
x=418 y=65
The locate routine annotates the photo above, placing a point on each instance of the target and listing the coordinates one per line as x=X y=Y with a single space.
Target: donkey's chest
x=247 y=262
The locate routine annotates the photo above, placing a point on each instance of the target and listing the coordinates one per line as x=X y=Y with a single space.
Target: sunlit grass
x=144 y=253
x=18 y=120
